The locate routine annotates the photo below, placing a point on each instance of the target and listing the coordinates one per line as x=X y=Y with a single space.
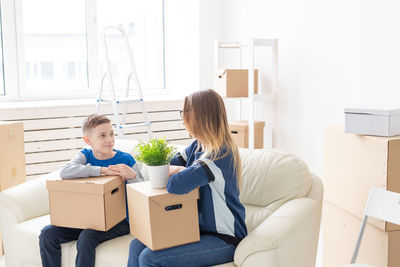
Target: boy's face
x=101 y=138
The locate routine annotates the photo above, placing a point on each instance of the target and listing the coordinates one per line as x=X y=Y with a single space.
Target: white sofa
x=283 y=203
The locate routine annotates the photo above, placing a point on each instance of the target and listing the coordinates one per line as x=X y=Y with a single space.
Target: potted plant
x=156 y=154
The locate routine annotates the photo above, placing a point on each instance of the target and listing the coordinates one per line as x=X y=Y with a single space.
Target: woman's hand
x=175 y=169
x=123 y=170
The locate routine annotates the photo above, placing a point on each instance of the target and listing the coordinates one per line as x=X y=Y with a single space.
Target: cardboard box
x=160 y=219
x=92 y=203
x=240 y=133
x=234 y=82
x=12 y=154
x=380 y=122
x=355 y=163
x=340 y=232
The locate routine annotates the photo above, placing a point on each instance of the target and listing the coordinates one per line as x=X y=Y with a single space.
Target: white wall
x=332 y=54
x=182 y=45
x=191 y=28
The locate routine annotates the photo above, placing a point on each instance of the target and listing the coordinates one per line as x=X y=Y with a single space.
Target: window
x=71 y=70
x=47 y=70
x=52 y=37
x=59 y=46
x=143 y=23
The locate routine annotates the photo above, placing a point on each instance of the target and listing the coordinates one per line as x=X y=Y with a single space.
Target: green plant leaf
x=156 y=152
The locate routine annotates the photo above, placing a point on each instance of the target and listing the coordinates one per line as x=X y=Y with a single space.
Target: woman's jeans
x=52 y=237
x=210 y=250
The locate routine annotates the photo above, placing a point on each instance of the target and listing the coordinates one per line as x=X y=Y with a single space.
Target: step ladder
x=126 y=99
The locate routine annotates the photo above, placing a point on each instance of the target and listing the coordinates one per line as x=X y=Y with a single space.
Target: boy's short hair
x=93 y=121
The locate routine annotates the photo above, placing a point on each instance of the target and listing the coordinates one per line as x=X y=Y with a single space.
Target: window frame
x=14 y=58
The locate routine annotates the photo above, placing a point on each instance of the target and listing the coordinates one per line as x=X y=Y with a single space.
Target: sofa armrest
x=25 y=201
x=299 y=219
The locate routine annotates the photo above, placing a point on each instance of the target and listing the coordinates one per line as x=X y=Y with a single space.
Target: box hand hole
x=173 y=207
x=234 y=132
x=114 y=191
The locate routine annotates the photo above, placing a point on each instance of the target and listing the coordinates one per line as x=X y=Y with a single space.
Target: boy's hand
x=123 y=170
x=175 y=169
x=107 y=171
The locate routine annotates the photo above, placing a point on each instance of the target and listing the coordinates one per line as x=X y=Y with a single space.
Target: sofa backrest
x=271 y=175
x=269 y=179
x=267 y=175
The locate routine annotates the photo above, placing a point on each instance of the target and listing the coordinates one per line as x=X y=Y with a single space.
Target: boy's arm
x=139 y=176
x=77 y=168
x=128 y=174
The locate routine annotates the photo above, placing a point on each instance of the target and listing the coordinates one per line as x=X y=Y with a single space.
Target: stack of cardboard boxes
x=354 y=164
x=12 y=157
x=235 y=83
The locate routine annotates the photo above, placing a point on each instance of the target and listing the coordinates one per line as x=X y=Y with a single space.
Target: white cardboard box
x=380 y=122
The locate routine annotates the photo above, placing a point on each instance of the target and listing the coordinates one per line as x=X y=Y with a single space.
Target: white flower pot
x=158 y=176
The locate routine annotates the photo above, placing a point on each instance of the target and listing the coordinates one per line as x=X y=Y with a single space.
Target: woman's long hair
x=204 y=116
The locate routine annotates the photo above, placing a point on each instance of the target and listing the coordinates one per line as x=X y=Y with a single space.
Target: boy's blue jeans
x=51 y=237
x=211 y=250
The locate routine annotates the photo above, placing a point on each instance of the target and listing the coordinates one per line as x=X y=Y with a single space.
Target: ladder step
x=135 y=125
x=231 y=45
x=120 y=100
x=266 y=42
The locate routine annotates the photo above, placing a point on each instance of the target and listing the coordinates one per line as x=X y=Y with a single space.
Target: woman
x=211 y=163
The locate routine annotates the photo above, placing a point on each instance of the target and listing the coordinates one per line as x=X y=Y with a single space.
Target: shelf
x=252 y=98
x=256 y=43
x=257 y=97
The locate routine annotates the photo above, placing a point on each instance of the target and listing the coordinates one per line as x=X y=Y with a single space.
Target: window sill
x=77 y=102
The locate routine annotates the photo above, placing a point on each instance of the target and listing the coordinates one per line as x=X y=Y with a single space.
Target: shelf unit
x=260 y=96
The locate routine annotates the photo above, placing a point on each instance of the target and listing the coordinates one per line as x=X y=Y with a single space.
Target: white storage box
x=380 y=122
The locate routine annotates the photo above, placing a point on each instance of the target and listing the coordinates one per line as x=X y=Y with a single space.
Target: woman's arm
x=199 y=174
x=179 y=160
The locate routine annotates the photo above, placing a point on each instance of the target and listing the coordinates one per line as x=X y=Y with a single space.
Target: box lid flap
x=373 y=111
x=94 y=185
x=161 y=195
x=11 y=122
x=340 y=128
x=243 y=125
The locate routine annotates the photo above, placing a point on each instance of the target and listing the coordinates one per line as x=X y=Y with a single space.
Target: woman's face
x=186 y=123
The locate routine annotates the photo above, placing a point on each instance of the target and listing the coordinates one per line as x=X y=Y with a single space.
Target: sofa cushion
x=113 y=252
x=24 y=237
x=270 y=175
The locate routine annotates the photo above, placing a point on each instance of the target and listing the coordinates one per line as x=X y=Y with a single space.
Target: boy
x=100 y=159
